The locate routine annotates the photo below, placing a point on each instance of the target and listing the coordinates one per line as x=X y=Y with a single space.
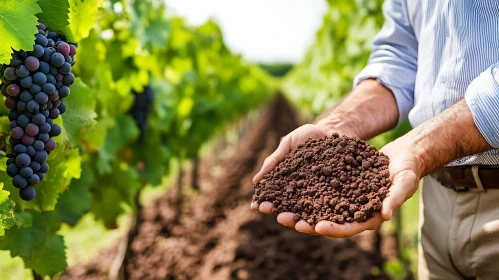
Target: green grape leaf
x=55 y=14
x=82 y=14
x=6 y=211
x=38 y=245
x=64 y=165
x=80 y=115
x=17 y=26
x=76 y=201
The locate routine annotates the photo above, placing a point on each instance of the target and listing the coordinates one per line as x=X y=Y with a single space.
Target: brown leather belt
x=463 y=178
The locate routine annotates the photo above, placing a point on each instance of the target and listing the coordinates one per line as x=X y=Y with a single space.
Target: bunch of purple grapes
x=34 y=84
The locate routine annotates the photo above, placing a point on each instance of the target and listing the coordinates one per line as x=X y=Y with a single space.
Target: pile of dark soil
x=218 y=237
x=338 y=179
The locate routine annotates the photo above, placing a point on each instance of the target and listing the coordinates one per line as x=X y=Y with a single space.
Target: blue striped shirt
x=432 y=53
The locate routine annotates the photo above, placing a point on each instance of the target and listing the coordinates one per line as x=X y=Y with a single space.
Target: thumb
x=404 y=185
x=274 y=159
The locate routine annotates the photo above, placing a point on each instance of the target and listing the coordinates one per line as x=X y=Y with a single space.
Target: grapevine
x=34 y=84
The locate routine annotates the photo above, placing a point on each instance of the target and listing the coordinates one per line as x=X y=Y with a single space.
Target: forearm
x=370 y=109
x=447 y=136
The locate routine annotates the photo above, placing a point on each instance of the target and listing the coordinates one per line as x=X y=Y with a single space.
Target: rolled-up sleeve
x=393 y=61
x=482 y=97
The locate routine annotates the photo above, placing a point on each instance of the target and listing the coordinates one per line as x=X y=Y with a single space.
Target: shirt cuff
x=482 y=97
x=383 y=74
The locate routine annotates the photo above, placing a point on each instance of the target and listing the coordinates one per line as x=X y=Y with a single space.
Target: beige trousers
x=458 y=233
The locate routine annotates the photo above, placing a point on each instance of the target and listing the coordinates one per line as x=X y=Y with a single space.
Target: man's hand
x=405 y=170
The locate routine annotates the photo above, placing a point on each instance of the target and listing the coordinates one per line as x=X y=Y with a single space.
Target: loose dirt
x=338 y=179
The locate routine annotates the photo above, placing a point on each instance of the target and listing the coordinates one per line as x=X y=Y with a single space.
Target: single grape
x=65 y=68
x=40 y=175
x=20 y=148
x=51 y=79
x=26 y=172
x=48 y=88
x=39 y=145
x=16 y=61
x=63 y=48
x=37 y=119
x=27 y=193
x=50 y=105
x=40 y=78
x=74 y=61
x=22 y=121
x=32 y=63
x=13 y=90
x=68 y=79
x=50 y=145
x=34 y=179
x=10 y=73
x=57 y=103
x=59 y=77
x=58 y=84
x=22 y=71
x=44 y=67
x=33 y=106
x=53 y=70
x=44 y=137
x=62 y=108
x=46 y=113
x=68 y=59
x=35 y=166
x=52 y=35
x=13 y=124
x=47 y=54
x=12 y=169
x=34 y=89
x=3 y=89
x=10 y=103
x=13 y=115
x=45 y=128
x=19 y=182
x=27 y=140
x=31 y=129
x=27 y=82
x=57 y=59
x=54 y=113
x=44 y=167
x=54 y=96
x=50 y=121
x=42 y=98
x=17 y=133
x=37 y=51
x=41 y=156
x=30 y=151
x=21 y=105
x=55 y=131
x=41 y=40
x=23 y=160
x=41 y=26
x=72 y=50
x=26 y=96
x=41 y=32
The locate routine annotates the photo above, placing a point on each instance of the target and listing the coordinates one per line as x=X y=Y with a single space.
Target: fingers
x=404 y=185
x=303 y=226
x=274 y=159
x=254 y=206
x=286 y=219
x=265 y=207
x=335 y=230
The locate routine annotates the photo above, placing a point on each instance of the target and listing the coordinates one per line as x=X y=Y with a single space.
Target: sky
x=260 y=30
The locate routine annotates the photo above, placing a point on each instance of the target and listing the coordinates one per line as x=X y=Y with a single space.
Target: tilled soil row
x=218 y=237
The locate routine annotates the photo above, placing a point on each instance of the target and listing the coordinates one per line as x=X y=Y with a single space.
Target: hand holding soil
x=334 y=186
